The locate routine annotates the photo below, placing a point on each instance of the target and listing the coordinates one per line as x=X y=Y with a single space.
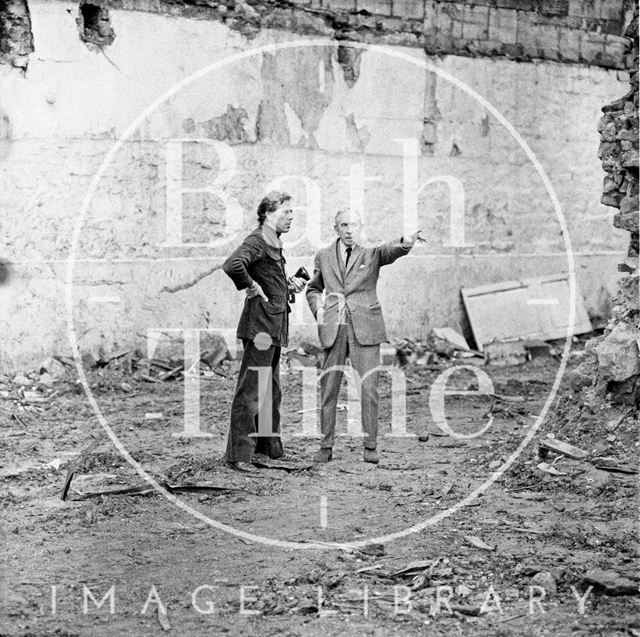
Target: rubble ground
x=515 y=561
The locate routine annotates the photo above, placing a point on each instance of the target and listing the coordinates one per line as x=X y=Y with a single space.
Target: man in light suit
x=350 y=323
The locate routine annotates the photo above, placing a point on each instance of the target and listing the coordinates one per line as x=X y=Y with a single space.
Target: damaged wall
x=317 y=113
x=583 y=31
x=611 y=370
x=16 y=39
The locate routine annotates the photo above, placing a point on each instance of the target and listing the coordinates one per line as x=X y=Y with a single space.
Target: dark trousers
x=246 y=406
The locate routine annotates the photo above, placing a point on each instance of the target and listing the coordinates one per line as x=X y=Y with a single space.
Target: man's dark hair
x=270 y=203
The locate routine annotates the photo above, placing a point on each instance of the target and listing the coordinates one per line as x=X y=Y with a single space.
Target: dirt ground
x=473 y=572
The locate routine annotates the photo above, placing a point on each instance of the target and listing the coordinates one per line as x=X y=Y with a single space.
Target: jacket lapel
x=333 y=259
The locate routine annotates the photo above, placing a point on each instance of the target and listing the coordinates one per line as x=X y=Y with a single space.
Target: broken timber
x=562 y=448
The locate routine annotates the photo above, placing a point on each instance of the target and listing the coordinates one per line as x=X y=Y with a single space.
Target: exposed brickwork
x=16 y=39
x=570 y=31
x=613 y=359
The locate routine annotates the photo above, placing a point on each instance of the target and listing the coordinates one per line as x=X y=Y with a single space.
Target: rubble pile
x=441 y=344
x=610 y=373
x=58 y=374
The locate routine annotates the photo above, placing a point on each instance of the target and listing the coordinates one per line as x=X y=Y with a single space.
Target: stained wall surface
x=100 y=146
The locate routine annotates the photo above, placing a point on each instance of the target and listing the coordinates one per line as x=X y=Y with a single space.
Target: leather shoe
x=241 y=467
x=323 y=455
x=371 y=455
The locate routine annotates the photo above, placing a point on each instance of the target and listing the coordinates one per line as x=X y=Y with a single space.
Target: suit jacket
x=352 y=292
x=257 y=260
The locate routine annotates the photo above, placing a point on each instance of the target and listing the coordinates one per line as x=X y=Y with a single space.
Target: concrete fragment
x=450 y=335
x=618 y=356
x=21 y=380
x=89 y=360
x=46 y=379
x=505 y=353
x=579 y=380
x=595 y=479
x=53 y=367
x=630 y=292
x=550 y=469
x=611 y=582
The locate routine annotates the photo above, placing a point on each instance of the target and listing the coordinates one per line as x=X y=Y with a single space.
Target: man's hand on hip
x=256 y=290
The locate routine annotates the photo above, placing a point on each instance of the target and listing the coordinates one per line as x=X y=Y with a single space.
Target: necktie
x=346 y=261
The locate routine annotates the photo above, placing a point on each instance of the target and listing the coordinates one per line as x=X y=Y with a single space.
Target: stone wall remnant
x=51 y=149
x=614 y=358
x=16 y=39
x=571 y=31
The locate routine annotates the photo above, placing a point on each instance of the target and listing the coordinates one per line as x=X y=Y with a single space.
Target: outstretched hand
x=412 y=238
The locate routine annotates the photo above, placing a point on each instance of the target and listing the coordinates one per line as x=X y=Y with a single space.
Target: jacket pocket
x=375 y=307
x=332 y=300
x=272 y=308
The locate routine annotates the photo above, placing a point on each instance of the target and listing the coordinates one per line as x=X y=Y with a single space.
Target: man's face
x=282 y=217
x=348 y=226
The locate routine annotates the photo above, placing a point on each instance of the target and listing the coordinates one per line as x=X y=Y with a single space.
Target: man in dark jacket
x=258 y=266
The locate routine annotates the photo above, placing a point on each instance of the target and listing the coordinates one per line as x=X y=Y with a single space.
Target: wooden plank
x=563 y=448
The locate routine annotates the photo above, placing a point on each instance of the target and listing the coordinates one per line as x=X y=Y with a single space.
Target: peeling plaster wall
x=286 y=112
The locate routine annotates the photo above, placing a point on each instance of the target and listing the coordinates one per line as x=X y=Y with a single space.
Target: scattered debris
x=463 y=591
x=21 y=380
x=163 y=620
x=563 y=448
x=537 y=349
x=611 y=582
x=549 y=468
x=463 y=609
x=505 y=353
x=473 y=540
x=374 y=550
x=445 y=340
x=188 y=487
x=545 y=580
x=410 y=352
x=264 y=462
x=412 y=568
x=607 y=463
x=73 y=467
x=441 y=343
x=296 y=359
